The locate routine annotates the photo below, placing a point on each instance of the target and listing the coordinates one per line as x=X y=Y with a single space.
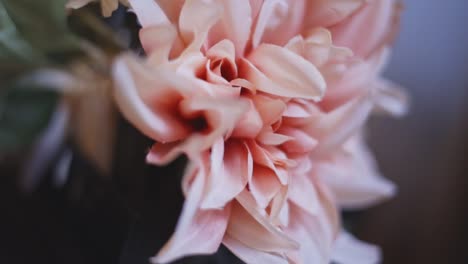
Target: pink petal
x=303 y=193
x=220 y=114
x=75 y=4
x=268 y=137
x=325 y=13
x=279 y=206
x=171 y=8
x=160 y=42
x=250 y=125
x=353 y=177
x=263 y=185
x=262 y=157
x=391 y=98
x=224 y=53
x=197 y=231
x=278 y=71
x=279 y=21
x=234 y=24
x=316 y=232
x=334 y=128
x=376 y=17
x=227 y=182
x=196 y=19
x=249 y=225
x=133 y=92
x=149 y=13
x=301 y=143
x=270 y=109
x=251 y=255
x=349 y=250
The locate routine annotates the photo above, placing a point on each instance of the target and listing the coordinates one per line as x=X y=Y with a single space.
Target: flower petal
x=316 y=232
x=325 y=13
x=303 y=193
x=250 y=255
x=234 y=24
x=149 y=13
x=353 y=177
x=134 y=91
x=334 y=128
x=220 y=114
x=376 y=17
x=250 y=225
x=196 y=19
x=226 y=183
x=279 y=71
x=349 y=250
x=279 y=21
x=263 y=185
x=197 y=231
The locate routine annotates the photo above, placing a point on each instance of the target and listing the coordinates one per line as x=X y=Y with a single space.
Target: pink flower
x=242 y=88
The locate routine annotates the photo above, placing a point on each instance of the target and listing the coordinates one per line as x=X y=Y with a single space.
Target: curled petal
x=134 y=91
x=220 y=115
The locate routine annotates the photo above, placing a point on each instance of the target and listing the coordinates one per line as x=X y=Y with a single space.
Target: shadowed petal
x=250 y=255
x=250 y=225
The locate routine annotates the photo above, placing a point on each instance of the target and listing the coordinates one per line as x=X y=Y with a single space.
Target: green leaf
x=42 y=23
x=15 y=51
x=24 y=112
x=34 y=33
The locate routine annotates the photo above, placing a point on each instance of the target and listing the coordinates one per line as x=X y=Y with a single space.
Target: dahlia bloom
x=267 y=109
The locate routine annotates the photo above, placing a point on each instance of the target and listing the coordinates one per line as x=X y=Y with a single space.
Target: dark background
x=95 y=220
x=426 y=153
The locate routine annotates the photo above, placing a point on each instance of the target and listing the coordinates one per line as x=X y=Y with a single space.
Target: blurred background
x=91 y=218
x=425 y=153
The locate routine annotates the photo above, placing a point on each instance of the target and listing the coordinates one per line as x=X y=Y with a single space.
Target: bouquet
x=267 y=100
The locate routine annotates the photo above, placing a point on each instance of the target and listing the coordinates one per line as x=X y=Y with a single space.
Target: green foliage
x=24 y=111
x=33 y=34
